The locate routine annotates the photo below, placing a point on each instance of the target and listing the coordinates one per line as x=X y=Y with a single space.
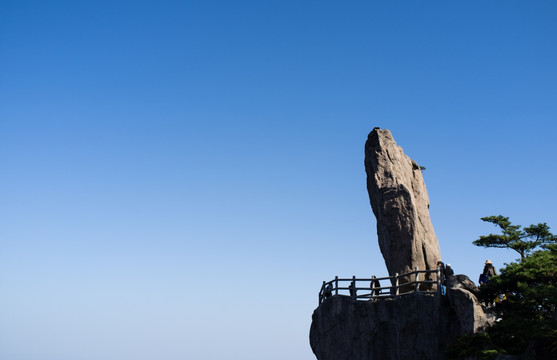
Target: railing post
x=396 y=285
x=438 y=281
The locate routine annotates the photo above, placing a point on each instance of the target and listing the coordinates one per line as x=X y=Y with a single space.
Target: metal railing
x=417 y=281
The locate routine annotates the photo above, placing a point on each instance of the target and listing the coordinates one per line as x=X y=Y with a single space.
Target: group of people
x=445 y=271
x=374 y=285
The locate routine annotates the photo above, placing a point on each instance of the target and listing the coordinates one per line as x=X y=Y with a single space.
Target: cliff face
x=415 y=326
x=400 y=202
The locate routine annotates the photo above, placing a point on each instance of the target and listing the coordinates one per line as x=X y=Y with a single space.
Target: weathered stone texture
x=400 y=202
x=415 y=326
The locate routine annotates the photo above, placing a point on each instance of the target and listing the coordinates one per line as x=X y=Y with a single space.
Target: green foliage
x=528 y=312
x=529 y=285
x=477 y=346
x=528 y=323
x=522 y=241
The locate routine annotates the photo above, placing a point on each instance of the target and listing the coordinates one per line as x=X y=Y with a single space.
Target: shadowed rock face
x=399 y=200
x=413 y=327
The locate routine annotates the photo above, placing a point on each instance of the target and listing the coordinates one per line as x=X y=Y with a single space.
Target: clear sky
x=179 y=177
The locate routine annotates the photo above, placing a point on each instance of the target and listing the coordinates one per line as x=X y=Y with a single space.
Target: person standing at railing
x=441 y=268
x=374 y=285
x=442 y=277
x=352 y=289
x=328 y=291
x=444 y=272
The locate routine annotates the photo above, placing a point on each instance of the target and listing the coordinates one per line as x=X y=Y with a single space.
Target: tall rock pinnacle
x=417 y=326
x=399 y=200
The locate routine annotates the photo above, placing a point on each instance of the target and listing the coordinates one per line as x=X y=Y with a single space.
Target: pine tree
x=522 y=241
x=528 y=315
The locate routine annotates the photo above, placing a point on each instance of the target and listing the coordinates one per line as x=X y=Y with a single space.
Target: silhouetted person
x=328 y=291
x=448 y=271
x=374 y=285
x=441 y=268
x=352 y=289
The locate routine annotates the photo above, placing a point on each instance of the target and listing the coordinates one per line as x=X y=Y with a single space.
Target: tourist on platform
x=374 y=285
x=448 y=271
x=328 y=291
x=441 y=268
x=352 y=289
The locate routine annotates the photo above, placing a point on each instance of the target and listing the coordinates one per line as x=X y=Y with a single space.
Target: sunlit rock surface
x=400 y=202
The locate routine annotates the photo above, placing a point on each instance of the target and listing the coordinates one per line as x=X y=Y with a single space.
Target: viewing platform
x=375 y=289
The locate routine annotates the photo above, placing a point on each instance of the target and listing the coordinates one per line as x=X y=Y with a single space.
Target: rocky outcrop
x=412 y=326
x=462 y=282
x=415 y=326
x=400 y=202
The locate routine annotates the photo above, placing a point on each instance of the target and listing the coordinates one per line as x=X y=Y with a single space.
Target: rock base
x=415 y=326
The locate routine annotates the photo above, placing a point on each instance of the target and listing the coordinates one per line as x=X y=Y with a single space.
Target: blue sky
x=179 y=177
